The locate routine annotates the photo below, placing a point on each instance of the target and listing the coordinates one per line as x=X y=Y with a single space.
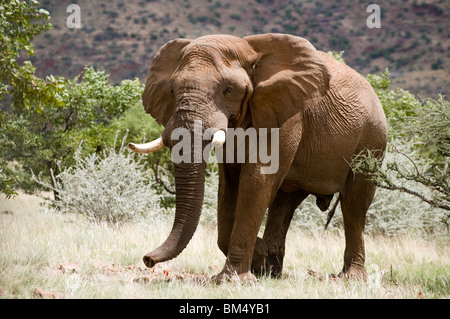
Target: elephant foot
x=274 y=266
x=265 y=263
x=353 y=272
x=227 y=276
x=259 y=260
x=234 y=272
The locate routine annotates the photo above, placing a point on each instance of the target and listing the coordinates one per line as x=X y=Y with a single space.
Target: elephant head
x=225 y=82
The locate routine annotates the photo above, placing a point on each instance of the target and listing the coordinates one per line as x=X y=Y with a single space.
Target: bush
x=437 y=64
x=337 y=55
x=235 y=16
x=394 y=212
x=112 y=187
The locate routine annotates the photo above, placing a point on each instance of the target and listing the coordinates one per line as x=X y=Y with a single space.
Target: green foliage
x=140 y=126
x=399 y=105
x=340 y=42
x=437 y=64
x=235 y=16
x=47 y=119
x=46 y=140
x=337 y=55
x=20 y=22
x=7 y=183
x=425 y=123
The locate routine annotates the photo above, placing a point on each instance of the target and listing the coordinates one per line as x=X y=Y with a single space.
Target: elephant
x=325 y=114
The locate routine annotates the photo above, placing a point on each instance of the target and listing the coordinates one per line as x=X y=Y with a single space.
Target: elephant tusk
x=150 y=147
x=219 y=138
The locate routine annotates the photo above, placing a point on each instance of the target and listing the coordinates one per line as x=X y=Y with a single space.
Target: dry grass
x=69 y=258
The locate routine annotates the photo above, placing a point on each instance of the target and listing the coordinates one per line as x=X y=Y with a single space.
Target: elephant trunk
x=189 y=174
x=189 y=183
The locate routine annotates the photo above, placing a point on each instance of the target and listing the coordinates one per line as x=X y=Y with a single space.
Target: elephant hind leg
x=355 y=202
x=269 y=251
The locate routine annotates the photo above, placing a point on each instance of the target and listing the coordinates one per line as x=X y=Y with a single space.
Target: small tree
x=45 y=139
x=20 y=22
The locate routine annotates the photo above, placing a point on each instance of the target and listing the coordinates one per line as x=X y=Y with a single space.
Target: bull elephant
x=324 y=113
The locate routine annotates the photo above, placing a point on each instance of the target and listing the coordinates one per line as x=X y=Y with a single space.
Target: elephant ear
x=288 y=77
x=157 y=97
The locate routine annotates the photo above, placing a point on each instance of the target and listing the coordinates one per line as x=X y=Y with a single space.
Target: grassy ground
x=45 y=254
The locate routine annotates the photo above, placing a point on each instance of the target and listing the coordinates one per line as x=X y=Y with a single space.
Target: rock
x=316 y=274
x=312 y=272
x=69 y=268
x=146 y=279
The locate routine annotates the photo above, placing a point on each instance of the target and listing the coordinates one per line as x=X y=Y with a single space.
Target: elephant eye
x=228 y=90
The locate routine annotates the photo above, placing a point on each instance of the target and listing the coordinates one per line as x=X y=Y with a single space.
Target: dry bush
x=112 y=187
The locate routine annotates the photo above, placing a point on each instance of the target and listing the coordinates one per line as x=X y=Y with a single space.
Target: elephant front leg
x=226 y=206
x=240 y=250
x=251 y=205
x=258 y=186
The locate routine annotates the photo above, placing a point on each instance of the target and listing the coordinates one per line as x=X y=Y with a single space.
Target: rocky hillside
x=121 y=36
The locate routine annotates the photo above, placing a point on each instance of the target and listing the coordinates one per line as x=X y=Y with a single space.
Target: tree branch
x=391 y=186
x=155 y=168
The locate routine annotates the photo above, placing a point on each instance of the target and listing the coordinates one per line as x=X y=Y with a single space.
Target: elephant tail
x=332 y=210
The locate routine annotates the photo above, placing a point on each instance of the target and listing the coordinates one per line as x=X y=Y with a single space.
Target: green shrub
x=235 y=16
x=192 y=19
x=437 y=64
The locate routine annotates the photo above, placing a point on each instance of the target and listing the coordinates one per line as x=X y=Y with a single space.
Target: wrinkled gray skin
x=325 y=111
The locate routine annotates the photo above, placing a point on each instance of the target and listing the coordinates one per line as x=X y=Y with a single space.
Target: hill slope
x=121 y=37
